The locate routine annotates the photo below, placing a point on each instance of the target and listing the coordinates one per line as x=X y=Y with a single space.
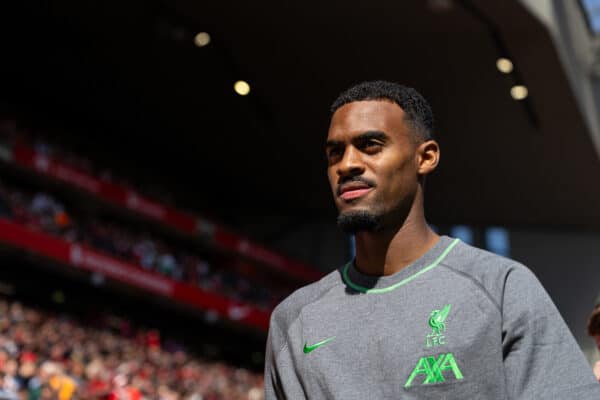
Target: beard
x=359 y=221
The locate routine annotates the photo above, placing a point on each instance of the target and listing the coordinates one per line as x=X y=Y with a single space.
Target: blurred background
x=162 y=171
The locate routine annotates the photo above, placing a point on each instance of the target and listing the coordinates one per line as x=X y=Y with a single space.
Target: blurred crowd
x=230 y=277
x=11 y=134
x=42 y=211
x=56 y=357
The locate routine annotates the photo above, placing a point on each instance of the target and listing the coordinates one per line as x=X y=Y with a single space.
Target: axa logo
x=434 y=369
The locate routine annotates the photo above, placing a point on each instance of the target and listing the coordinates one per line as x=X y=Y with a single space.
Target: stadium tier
x=42 y=225
x=18 y=152
x=189 y=261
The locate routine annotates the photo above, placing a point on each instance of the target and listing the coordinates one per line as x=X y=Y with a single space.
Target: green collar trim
x=363 y=289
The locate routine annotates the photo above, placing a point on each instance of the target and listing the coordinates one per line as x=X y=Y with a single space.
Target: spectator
x=593 y=329
x=6 y=391
x=43 y=356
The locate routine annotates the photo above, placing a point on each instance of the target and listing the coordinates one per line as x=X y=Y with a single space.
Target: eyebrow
x=368 y=135
x=371 y=135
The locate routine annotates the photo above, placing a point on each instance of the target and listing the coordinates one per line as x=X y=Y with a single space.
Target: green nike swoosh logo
x=308 y=349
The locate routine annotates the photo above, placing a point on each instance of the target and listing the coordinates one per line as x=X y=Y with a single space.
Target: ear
x=428 y=157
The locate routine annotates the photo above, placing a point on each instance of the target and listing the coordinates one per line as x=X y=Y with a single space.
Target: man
x=415 y=315
x=593 y=329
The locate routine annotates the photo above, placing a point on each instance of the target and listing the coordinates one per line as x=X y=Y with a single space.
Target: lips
x=353 y=190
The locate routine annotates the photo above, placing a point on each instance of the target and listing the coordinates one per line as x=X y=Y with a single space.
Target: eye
x=334 y=153
x=372 y=146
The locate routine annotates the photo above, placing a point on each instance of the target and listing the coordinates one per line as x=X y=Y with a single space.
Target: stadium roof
x=154 y=102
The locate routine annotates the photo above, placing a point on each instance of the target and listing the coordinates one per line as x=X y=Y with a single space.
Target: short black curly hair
x=416 y=108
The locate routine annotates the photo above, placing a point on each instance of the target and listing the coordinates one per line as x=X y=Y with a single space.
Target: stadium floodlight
x=519 y=92
x=241 y=87
x=202 y=39
x=504 y=65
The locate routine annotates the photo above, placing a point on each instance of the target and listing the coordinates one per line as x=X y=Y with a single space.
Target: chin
x=356 y=205
x=359 y=220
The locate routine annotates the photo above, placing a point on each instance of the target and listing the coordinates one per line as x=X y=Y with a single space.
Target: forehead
x=363 y=116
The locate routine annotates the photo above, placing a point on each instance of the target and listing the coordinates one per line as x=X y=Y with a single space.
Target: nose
x=351 y=164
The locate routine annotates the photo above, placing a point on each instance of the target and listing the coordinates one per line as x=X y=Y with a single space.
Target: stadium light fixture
x=519 y=92
x=504 y=65
x=241 y=87
x=202 y=39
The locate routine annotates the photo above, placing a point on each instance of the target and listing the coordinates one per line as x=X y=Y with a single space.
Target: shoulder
x=489 y=271
x=476 y=261
x=289 y=309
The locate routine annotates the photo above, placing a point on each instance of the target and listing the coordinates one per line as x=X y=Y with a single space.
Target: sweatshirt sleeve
x=282 y=380
x=272 y=379
x=542 y=360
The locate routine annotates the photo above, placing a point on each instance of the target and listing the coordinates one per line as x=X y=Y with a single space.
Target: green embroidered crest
x=437 y=322
x=437 y=318
x=433 y=368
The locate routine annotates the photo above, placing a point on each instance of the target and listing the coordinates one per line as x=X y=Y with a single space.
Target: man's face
x=372 y=163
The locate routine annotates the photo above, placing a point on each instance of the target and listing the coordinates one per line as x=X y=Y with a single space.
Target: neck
x=388 y=251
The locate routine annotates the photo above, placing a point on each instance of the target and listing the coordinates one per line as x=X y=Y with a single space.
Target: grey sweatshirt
x=458 y=323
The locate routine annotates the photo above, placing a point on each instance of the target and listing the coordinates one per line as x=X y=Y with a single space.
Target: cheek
x=333 y=181
x=331 y=178
x=402 y=179
x=400 y=188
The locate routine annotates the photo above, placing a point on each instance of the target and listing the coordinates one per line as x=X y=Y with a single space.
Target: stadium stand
x=70 y=224
x=41 y=211
x=48 y=355
x=21 y=151
x=60 y=205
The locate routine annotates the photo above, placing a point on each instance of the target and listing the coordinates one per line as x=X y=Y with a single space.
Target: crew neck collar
x=383 y=284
